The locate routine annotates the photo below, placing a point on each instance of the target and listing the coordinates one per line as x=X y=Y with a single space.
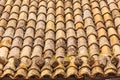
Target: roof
x=59 y=39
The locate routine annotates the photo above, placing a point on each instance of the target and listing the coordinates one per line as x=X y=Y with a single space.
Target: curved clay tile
x=15 y=9
x=42 y=9
x=60 y=11
x=59 y=4
x=24 y=8
x=40 y=25
x=18 y=3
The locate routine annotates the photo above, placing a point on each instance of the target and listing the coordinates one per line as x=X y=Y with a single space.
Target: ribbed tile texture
x=59 y=39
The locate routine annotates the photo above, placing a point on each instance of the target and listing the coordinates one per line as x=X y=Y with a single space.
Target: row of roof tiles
x=48 y=38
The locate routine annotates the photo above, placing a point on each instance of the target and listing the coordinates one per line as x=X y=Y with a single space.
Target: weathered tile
x=59 y=39
x=5 y=15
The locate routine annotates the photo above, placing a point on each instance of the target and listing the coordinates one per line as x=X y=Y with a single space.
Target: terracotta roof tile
x=59 y=39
